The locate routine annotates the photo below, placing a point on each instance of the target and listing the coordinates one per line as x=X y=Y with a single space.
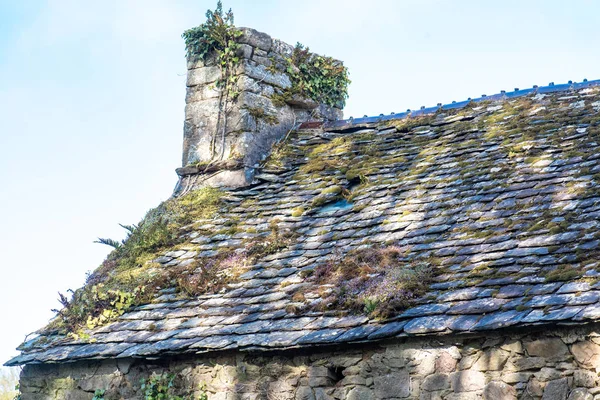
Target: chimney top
x=243 y=98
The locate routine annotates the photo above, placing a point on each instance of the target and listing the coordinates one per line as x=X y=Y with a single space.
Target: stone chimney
x=224 y=147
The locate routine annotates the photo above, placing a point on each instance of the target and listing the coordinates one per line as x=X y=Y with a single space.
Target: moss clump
x=319 y=164
x=320 y=200
x=297 y=212
x=563 y=273
x=374 y=280
x=259 y=114
x=332 y=190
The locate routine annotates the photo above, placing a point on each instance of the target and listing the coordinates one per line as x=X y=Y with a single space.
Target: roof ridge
x=503 y=95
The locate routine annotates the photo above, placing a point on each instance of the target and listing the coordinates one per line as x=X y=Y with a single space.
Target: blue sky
x=92 y=100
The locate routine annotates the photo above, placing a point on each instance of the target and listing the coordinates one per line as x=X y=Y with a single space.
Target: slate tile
x=320 y=336
x=428 y=324
x=478 y=306
x=357 y=333
x=499 y=320
x=213 y=342
x=464 y=322
x=426 y=309
x=573 y=287
x=510 y=291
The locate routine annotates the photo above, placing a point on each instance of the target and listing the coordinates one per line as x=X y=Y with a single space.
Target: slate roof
x=500 y=191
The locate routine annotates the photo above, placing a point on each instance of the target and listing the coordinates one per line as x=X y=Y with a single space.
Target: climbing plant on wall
x=323 y=79
x=217 y=35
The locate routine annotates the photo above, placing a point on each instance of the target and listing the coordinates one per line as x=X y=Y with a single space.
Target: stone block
x=499 y=391
x=491 y=360
x=513 y=346
x=262 y=74
x=424 y=363
x=203 y=76
x=435 y=382
x=353 y=380
x=587 y=353
x=584 y=378
x=445 y=363
x=360 y=393
x=200 y=92
x=255 y=38
x=467 y=381
x=323 y=394
x=305 y=393
x=244 y=51
x=515 y=377
x=534 y=388
x=550 y=348
x=262 y=61
x=557 y=389
x=392 y=385
x=547 y=374
x=580 y=394
x=523 y=363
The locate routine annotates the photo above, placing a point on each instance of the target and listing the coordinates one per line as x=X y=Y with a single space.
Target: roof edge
x=503 y=95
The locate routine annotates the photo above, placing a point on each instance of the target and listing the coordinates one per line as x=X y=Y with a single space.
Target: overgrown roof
x=470 y=217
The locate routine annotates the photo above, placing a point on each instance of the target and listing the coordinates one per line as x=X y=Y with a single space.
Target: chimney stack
x=227 y=134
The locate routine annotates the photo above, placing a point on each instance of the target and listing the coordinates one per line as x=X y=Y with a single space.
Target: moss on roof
x=492 y=208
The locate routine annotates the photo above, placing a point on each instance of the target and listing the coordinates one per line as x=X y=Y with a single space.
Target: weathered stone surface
x=360 y=393
x=255 y=38
x=499 y=391
x=467 y=381
x=584 y=378
x=556 y=390
x=445 y=362
x=305 y=393
x=580 y=394
x=436 y=382
x=491 y=360
x=547 y=348
x=203 y=76
x=392 y=385
x=587 y=353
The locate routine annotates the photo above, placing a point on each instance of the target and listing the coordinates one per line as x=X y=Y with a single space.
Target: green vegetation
x=563 y=273
x=298 y=211
x=159 y=387
x=373 y=280
x=128 y=276
x=319 y=78
x=99 y=394
x=9 y=384
x=162 y=387
x=94 y=305
x=218 y=36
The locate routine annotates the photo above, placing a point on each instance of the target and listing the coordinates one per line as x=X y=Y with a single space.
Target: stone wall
x=248 y=138
x=560 y=365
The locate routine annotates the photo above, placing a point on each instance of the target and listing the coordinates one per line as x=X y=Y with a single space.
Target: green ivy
x=323 y=79
x=159 y=387
x=219 y=35
x=214 y=34
x=99 y=394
